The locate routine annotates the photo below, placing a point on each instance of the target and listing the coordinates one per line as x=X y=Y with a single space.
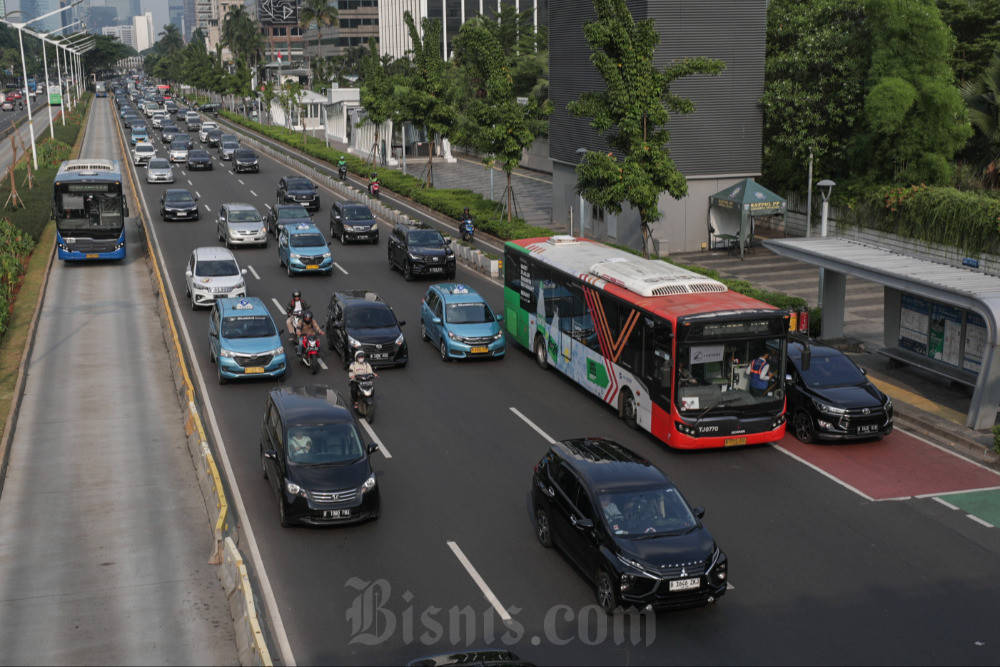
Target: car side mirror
x=436 y=320
x=699 y=512
x=188 y=273
x=243 y=271
x=863 y=371
x=271 y=454
x=788 y=377
x=402 y=322
x=582 y=524
x=372 y=448
x=499 y=318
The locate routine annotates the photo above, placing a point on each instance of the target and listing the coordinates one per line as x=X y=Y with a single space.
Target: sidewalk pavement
x=924 y=403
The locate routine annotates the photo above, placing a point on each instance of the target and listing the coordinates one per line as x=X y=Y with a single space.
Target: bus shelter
x=942 y=318
x=731 y=213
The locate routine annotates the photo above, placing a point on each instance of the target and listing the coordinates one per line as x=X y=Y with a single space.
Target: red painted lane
x=898 y=466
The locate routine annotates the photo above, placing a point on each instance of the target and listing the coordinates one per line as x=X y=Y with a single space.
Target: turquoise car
x=459 y=322
x=243 y=340
x=303 y=249
x=139 y=134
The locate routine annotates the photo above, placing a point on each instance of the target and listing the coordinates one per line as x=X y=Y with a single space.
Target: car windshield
x=178 y=196
x=306 y=240
x=369 y=318
x=324 y=444
x=159 y=163
x=217 y=268
x=832 y=370
x=178 y=146
x=248 y=326
x=646 y=513
x=467 y=313
x=145 y=148
x=299 y=184
x=357 y=213
x=292 y=213
x=230 y=144
x=245 y=153
x=425 y=237
x=201 y=154
x=244 y=215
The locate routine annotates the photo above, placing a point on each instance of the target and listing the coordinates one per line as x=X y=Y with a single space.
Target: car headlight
x=498 y=336
x=295 y=489
x=353 y=342
x=327 y=255
x=415 y=258
x=369 y=484
x=227 y=353
x=888 y=402
x=828 y=409
x=295 y=255
x=630 y=562
x=276 y=351
x=453 y=336
x=399 y=339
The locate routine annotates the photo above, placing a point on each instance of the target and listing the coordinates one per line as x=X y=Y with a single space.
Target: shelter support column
x=986 y=396
x=834 y=293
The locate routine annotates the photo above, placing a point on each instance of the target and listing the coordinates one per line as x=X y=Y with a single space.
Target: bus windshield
x=93 y=211
x=718 y=376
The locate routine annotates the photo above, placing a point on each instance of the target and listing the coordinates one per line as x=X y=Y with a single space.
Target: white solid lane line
x=253 y=271
x=342 y=269
x=979 y=521
x=371 y=434
x=946 y=504
x=532 y=425
x=487 y=593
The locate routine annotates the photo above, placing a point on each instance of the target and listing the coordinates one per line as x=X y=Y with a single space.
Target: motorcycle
x=364 y=395
x=342 y=170
x=309 y=353
x=373 y=190
x=468 y=230
x=294 y=333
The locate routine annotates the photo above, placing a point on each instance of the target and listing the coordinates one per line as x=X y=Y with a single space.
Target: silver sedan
x=159 y=170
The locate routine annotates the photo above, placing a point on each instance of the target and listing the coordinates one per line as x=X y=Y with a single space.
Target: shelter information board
x=914 y=318
x=975 y=342
x=946 y=334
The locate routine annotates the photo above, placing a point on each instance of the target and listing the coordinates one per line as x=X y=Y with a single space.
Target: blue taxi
x=302 y=248
x=457 y=320
x=139 y=134
x=243 y=340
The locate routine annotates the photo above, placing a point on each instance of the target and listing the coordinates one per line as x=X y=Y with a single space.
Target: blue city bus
x=100 y=90
x=90 y=210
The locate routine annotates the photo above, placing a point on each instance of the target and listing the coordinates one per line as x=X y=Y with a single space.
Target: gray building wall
x=715 y=147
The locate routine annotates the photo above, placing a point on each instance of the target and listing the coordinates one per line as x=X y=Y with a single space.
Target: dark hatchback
x=317 y=463
x=353 y=222
x=830 y=398
x=419 y=250
x=298 y=190
x=280 y=215
x=361 y=320
x=626 y=526
x=245 y=159
x=198 y=158
x=178 y=204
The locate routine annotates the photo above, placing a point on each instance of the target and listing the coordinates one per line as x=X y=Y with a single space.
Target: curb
x=974 y=446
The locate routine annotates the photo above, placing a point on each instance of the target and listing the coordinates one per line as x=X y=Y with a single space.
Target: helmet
x=374 y=174
x=359 y=356
x=296 y=294
x=342 y=157
x=465 y=210
x=308 y=317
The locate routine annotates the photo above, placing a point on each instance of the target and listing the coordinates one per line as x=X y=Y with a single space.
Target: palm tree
x=319 y=13
x=241 y=36
x=171 y=40
x=982 y=96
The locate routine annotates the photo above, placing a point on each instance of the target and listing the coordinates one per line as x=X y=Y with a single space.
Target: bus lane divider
x=252 y=644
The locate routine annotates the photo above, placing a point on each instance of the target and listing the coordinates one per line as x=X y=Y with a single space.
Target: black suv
x=280 y=215
x=361 y=320
x=298 y=190
x=419 y=250
x=626 y=526
x=316 y=460
x=353 y=222
x=829 y=397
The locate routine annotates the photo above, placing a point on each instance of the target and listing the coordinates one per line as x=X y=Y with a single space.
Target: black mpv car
x=353 y=222
x=361 y=320
x=420 y=250
x=178 y=204
x=298 y=190
x=244 y=159
x=829 y=397
x=317 y=463
x=626 y=526
x=198 y=158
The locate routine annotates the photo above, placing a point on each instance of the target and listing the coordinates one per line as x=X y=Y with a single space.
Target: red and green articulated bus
x=667 y=348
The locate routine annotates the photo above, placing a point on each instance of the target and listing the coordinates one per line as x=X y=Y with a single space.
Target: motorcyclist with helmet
x=373 y=180
x=342 y=167
x=467 y=227
x=309 y=328
x=295 y=307
x=359 y=366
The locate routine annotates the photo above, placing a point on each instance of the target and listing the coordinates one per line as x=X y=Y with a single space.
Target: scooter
x=294 y=333
x=309 y=354
x=365 y=396
x=468 y=229
x=373 y=188
x=342 y=170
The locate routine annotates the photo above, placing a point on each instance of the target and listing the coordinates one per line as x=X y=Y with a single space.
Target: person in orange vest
x=760 y=374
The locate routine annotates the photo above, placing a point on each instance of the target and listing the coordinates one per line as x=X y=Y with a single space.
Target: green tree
x=317 y=13
x=241 y=35
x=377 y=93
x=106 y=52
x=171 y=40
x=424 y=93
x=982 y=96
x=976 y=26
x=495 y=123
x=633 y=112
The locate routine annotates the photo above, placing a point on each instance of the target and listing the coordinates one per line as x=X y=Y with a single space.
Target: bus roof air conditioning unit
x=649 y=278
x=562 y=239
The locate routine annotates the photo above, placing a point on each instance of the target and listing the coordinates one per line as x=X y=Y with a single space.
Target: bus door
x=657 y=359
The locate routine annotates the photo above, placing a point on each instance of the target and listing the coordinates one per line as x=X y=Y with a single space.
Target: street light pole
x=827 y=187
x=45 y=40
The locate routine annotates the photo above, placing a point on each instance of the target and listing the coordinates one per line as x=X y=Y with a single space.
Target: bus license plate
x=336 y=514
x=253 y=369
x=312 y=267
x=480 y=350
x=685 y=584
x=732 y=442
x=92 y=256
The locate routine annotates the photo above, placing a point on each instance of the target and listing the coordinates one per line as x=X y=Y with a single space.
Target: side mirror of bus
x=125 y=209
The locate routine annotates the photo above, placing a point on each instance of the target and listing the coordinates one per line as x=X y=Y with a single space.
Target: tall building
x=175 y=15
x=715 y=147
x=142 y=29
x=357 y=21
x=127 y=9
x=101 y=17
x=394 y=39
x=219 y=13
x=279 y=25
x=122 y=32
x=32 y=9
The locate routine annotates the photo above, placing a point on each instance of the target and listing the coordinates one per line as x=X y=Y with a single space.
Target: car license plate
x=380 y=355
x=732 y=442
x=253 y=369
x=437 y=269
x=870 y=428
x=685 y=584
x=312 y=267
x=336 y=514
x=480 y=350
x=92 y=256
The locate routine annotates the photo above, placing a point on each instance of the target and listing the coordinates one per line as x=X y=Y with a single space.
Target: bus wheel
x=541 y=354
x=628 y=410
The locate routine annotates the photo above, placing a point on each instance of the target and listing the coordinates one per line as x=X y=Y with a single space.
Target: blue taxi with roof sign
x=303 y=249
x=458 y=321
x=243 y=340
